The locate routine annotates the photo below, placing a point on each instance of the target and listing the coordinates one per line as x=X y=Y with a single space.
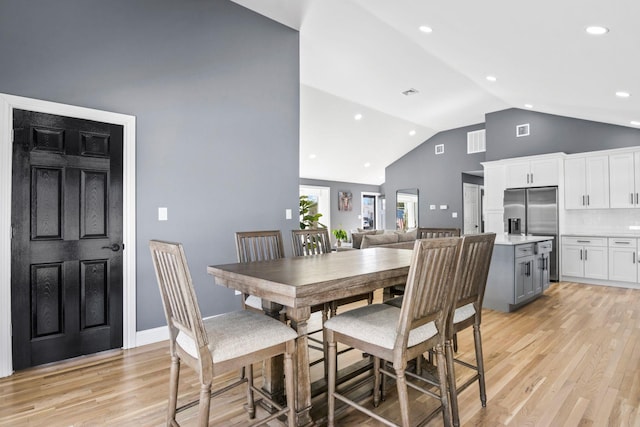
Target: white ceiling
x=357 y=56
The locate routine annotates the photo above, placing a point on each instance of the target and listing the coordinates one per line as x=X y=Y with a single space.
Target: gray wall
x=347 y=220
x=215 y=90
x=551 y=134
x=438 y=178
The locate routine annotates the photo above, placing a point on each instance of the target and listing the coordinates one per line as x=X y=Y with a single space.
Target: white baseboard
x=150 y=336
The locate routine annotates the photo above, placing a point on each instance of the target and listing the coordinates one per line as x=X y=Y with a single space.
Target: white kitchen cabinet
x=586 y=182
x=623 y=262
x=585 y=257
x=532 y=173
x=624 y=180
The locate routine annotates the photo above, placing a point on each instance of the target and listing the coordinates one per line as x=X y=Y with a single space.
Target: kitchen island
x=519 y=271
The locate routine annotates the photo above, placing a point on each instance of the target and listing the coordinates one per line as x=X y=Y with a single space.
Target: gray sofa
x=381 y=238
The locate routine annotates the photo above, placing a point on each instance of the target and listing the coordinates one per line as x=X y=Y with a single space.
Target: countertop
x=602 y=234
x=507 y=239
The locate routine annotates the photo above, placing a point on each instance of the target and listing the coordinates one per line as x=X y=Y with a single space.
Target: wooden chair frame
x=471 y=281
x=429 y=297
x=183 y=317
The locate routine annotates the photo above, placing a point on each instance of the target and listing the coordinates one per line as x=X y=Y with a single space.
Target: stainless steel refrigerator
x=534 y=211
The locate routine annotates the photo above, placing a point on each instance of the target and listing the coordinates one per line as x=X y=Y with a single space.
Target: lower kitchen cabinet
x=623 y=259
x=585 y=257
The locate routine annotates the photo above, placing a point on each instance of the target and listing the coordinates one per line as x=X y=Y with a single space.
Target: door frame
x=7 y=104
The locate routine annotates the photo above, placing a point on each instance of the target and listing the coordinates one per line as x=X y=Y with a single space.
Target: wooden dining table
x=302 y=282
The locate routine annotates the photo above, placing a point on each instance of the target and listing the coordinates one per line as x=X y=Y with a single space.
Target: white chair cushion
x=238 y=333
x=377 y=324
x=256 y=302
x=463 y=313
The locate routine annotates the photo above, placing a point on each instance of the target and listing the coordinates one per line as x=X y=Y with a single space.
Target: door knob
x=115 y=247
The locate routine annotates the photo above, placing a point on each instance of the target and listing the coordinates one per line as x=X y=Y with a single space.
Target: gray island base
x=519 y=271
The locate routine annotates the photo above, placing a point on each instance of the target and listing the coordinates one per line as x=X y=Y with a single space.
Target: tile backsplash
x=602 y=221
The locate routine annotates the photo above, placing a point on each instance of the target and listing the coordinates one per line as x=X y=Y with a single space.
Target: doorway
x=321 y=196
x=370 y=211
x=9 y=103
x=66 y=244
x=472 y=206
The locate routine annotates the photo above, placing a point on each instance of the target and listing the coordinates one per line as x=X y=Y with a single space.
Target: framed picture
x=344 y=201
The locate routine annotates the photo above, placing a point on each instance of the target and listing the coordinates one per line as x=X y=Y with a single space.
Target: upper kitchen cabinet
x=586 y=182
x=624 y=180
x=532 y=173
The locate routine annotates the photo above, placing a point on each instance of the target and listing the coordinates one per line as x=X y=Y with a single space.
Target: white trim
x=150 y=336
x=7 y=104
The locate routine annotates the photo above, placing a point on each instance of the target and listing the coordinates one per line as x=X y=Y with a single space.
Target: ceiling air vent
x=476 y=141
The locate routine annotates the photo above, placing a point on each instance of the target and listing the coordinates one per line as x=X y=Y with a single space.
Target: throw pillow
x=378 y=239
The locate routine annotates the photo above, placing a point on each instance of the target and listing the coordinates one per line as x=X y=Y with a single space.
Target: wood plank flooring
x=570 y=358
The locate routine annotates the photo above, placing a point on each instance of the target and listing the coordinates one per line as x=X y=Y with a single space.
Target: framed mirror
x=406 y=209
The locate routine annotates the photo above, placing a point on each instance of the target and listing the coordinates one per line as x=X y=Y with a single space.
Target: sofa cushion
x=378 y=239
x=407 y=236
x=356 y=238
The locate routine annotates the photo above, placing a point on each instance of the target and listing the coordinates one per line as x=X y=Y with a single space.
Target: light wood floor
x=570 y=358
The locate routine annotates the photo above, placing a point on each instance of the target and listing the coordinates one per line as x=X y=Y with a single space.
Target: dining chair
x=437 y=232
x=262 y=245
x=471 y=280
x=424 y=233
x=218 y=344
x=401 y=334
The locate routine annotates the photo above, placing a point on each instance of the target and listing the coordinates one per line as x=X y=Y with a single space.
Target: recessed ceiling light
x=312 y=156
x=358 y=116
x=635 y=122
x=596 y=30
x=491 y=78
x=426 y=29
x=623 y=94
x=528 y=105
x=366 y=165
x=412 y=132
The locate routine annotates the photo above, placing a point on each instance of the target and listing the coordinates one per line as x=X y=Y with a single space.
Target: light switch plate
x=287 y=214
x=432 y=207
x=162 y=214
x=454 y=214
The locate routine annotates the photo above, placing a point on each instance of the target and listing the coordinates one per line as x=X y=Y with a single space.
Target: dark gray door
x=66 y=247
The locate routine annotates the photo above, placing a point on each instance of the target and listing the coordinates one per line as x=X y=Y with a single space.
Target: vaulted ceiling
x=357 y=57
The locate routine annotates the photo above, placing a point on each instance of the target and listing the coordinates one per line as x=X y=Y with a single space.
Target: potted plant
x=309 y=214
x=340 y=235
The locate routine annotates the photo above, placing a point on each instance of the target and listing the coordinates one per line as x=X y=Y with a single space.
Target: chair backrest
x=436 y=233
x=178 y=296
x=473 y=269
x=430 y=290
x=259 y=245
x=310 y=241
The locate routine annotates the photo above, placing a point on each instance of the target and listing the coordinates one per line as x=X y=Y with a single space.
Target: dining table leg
x=299 y=318
x=273 y=368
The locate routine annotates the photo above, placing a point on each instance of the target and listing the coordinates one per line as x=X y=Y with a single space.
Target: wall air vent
x=476 y=141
